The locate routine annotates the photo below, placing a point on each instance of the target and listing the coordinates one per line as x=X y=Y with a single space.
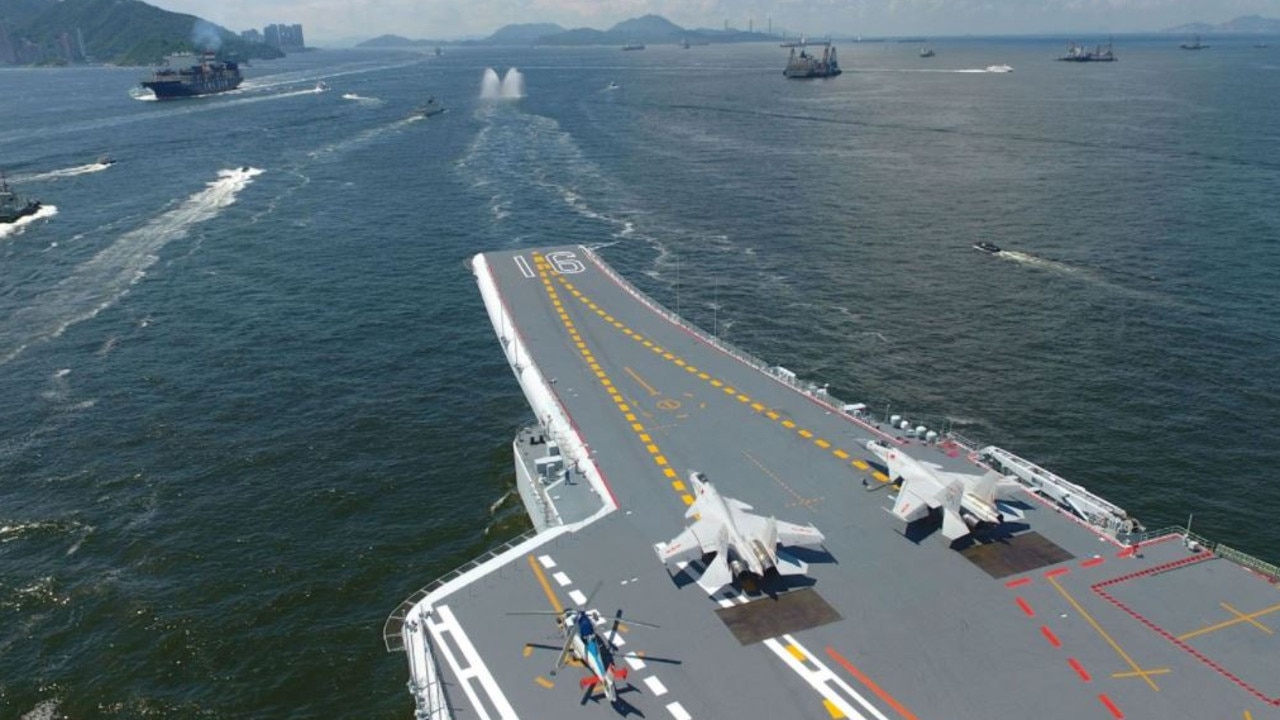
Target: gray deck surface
x=924 y=631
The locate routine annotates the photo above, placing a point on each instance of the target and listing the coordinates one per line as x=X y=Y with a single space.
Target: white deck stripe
x=577 y=597
x=546 y=561
x=562 y=579
x=655 y=686
x=635 y=662
x=476 y=668
x=678 y=712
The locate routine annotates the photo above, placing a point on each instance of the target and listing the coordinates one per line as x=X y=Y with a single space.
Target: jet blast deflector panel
x=771 y=617
x=1016 y=554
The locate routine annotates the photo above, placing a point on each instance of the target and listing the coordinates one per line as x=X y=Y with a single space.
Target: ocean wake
x=64 y=172
x=101 y=281
x=18 y=226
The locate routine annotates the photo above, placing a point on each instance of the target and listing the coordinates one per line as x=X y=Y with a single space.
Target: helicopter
x=585 y=642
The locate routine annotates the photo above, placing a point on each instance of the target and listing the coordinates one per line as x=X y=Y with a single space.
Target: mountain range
x=646 y=29
x=1244 y=25
x=121 y=32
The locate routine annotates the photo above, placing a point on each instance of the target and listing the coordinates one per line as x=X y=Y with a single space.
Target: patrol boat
x=1011 y=592
x=12 y=206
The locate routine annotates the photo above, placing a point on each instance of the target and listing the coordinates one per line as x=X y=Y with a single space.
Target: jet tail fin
x=953 y=526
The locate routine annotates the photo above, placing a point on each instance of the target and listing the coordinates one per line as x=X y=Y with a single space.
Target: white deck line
x=475 y=666
x=655 y=686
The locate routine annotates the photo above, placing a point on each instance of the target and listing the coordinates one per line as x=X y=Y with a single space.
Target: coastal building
x=284 y=37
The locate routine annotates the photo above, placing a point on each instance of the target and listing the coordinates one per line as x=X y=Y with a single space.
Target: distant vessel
x=12 y=206
x=633 y=46
x=321 y=86
x=1080 y=53
x=439 y=52
x=685 y=44
x=999 y=68
x=1261 y=45
x=1194 y=45
x=106 y=160
x=926 y=52
x=429 y=108
x=802 y=65
x=185 y=76
x=612 y=86
x=986 y=247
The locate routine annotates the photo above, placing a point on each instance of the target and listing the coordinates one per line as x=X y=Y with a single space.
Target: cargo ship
x=13 y=207
x=926 y=575
x=802 y=65
x=1080 y=53
x=185 y=75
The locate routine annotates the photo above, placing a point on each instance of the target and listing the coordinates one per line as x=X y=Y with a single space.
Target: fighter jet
x=967 y=501
x=744 y=543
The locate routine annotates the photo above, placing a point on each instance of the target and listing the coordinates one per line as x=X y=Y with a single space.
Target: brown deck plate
x=1015 y=554
x=769 y=617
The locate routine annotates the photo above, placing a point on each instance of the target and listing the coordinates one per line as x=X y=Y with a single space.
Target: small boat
x=612 y=86
x=106 y=160
x=321 y=86
x=429 y=108
x=633 y=46
x=1194 y=45
x=13 y=207
x=926 y=52
x=999 y=68
x=986 y=247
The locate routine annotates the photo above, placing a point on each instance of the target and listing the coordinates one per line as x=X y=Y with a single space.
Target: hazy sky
x=330 y=20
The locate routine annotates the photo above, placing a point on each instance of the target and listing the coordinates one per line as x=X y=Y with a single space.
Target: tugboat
x=183 y=76
x=13 y=207
x=1194 y=45
x=802 y=65
x=986 y=247
x=429 y=108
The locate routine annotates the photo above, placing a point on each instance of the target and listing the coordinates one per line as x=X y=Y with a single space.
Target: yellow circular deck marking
x=668 y=404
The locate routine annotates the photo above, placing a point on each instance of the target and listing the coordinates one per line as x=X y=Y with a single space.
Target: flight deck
x=1051 y=614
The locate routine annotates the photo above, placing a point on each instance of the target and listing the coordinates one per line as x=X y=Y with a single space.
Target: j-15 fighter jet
x=744 y=543
x=966 y=500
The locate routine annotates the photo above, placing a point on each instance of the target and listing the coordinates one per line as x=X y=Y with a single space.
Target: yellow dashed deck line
x=544 y=682
x=670 y=472
x=861 y=464
x=678 y=485
x=840 y=454
x=822 y=443
x=688 y=499
x=804 y=433
x=788 y=424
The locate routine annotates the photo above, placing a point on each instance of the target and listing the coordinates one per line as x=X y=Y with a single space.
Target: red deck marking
x=1048 y=635
x=1026 y=608
x=1115 y=711
x=1092 y=562
x=1057 y=571
x=871 y=685
x=1189 y=560
x=1018 y=583
x=1075 y=665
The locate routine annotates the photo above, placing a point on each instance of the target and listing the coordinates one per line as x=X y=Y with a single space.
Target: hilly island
x=118 y=32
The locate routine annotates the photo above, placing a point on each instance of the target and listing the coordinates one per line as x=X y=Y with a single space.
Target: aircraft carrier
x=1066 y=610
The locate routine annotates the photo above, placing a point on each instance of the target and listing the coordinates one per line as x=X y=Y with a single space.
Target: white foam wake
x=99 y=282
x=17 y=226
x=64 y=172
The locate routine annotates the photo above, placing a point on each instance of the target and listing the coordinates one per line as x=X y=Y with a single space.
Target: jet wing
x=802 y=535
x=697 y=540
x=911 y=505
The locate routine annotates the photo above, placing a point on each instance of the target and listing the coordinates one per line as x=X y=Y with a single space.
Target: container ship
x=185 y=75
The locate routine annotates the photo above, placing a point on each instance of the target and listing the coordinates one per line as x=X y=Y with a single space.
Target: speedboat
x=106 y=160
x=321 y=86
x=612 y=86
x=986 y=247
x=429 y=108
x=999 y=68
x=13 y=207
